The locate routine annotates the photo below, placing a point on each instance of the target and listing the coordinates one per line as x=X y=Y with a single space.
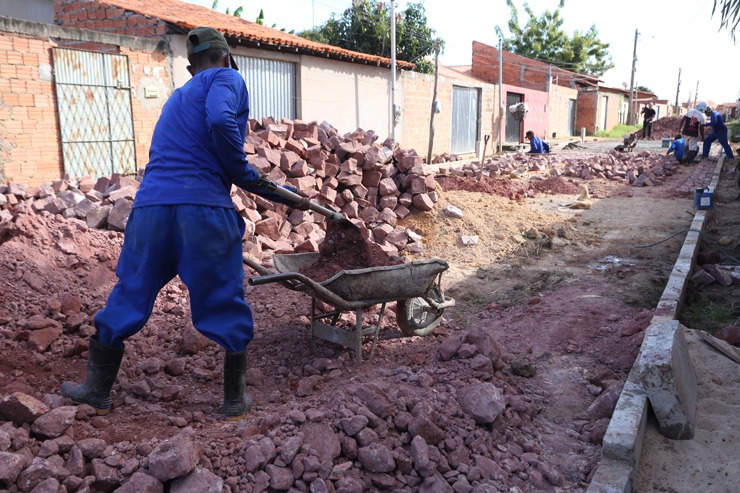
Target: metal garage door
x=94 y=106
x=271 y=85
x=572 y=117
x=513 y=126
x=465 y=116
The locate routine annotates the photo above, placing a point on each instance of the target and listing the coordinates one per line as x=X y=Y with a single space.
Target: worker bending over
x=536 y=145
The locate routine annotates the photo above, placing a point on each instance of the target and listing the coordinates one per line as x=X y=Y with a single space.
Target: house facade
x=600 y=108
x=64 y=115
x=288 y=76
x=550 y=93
x=48 y=90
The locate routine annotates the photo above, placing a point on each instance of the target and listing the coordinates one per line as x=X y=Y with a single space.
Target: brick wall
x=418 y=90
x=30 y=141
x=29 y=132
x=587 y=111
x=518 y=70
x=591 y=108
x=88 y=14
x=147 y=70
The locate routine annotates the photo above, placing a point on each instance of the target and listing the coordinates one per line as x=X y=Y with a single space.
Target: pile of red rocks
x=373 y=184
x=663 y=128
x=636 y=169
x=396 y=433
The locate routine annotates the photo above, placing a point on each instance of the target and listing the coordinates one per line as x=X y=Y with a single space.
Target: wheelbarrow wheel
x=413 y=317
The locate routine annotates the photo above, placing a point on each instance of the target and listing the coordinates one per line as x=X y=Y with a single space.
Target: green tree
x=543 y=38
x=365 y=27
x=729 y=14
x=645 y=89
x=237 y=12
x=261 y=21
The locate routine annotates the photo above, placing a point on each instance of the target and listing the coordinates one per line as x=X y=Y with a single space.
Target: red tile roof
x=187 y=16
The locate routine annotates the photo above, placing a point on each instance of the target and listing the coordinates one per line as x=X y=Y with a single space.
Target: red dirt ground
x=553 y=324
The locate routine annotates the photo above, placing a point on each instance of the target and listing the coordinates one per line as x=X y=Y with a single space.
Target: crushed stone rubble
x=453 y=422
x=638 y=169
x=461 y=425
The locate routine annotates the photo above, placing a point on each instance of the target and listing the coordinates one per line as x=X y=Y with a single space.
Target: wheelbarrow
x=415 y=286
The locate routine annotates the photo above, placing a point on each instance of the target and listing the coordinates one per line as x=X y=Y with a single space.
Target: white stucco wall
x=347 y=95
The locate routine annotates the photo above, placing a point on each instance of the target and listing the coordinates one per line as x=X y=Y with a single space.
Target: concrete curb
x=622 y=443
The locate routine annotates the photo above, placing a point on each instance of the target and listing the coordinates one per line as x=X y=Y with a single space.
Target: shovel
x=294 y=197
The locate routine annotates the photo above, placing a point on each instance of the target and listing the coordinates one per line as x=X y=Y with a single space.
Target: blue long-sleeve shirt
x=717 y=122
x=679 y=146
x=538 y=146
x=197 y=149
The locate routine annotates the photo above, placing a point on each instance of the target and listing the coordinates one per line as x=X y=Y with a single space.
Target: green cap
x=204 y=38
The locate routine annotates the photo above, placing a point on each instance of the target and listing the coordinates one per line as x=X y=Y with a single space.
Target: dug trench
x=513 y=392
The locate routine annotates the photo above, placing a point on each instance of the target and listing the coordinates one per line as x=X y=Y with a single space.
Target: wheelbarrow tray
x=371 y=285
x=415 y=286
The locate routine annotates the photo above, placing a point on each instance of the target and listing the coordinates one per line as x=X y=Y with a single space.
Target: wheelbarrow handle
x=316 y=290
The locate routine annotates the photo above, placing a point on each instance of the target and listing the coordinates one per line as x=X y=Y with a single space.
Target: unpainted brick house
x=550 y=93
x=76 y=112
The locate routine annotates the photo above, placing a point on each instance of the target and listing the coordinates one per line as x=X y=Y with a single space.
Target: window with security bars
x=94 y=107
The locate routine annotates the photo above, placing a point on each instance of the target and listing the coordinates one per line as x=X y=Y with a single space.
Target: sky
x=673 y=35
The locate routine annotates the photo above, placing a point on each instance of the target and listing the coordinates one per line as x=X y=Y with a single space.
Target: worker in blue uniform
x=183 y=222
x=719 y=133
x=536 y=145
x=678 y=147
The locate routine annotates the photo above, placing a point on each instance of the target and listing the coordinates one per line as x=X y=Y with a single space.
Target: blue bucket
x=703 y=199
x=666 y=142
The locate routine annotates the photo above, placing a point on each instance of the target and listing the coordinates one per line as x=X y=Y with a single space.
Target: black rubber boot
x=236 y=401
x=103 y=363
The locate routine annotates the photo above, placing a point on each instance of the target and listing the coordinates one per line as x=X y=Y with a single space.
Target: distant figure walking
x=648 y=115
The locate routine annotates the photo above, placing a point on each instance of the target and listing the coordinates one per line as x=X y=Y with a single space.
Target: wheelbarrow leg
x=376 y=331
x=358 y=336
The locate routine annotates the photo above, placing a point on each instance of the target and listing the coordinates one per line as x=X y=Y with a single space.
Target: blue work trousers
x=200 y=244
x=720 y=137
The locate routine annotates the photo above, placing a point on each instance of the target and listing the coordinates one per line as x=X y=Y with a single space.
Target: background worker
x=648 y=115
x=719 y=133
x=692 y=129
x=536 y=145
x=184 y=223
x=679 y=146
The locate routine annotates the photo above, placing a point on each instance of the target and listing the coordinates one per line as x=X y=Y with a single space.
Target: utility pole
x=434 y=101
x=630 y=119
x=696 y=93
x=678 y=87
x=393 y=71
x=500 y=96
